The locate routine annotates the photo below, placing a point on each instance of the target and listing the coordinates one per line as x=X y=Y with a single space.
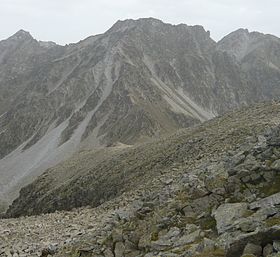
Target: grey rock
x=208 y=244
x=119 y=249
x=267 y=250
x=276 y=165
x=236 y=245
x=253 y=249
x=226 y=214
x=276 y=245
x=188 y=238
x=269 y=201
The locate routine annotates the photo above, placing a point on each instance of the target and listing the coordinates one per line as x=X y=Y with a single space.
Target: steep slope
x=100 y=90
x=210 y=190
x=139 y=80
x=92 y=177
x=259 y=58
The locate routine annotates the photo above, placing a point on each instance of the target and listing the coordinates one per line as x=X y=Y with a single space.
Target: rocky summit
x=148 y=140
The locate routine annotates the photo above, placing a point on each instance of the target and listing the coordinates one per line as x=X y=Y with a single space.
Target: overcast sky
x=66 y=21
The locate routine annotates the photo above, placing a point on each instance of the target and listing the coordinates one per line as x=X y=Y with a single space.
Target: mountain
x=139 y=80
x=210 y=190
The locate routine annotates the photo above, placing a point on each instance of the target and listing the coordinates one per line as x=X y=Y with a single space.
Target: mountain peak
x=21 y=35
x=122 y=25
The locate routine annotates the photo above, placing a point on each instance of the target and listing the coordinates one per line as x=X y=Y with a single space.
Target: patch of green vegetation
x=181 y=250
x=215 y=253
x=273 y=221
x=154 y=236
x=182 y=196
x=271 y=188
x=243 y=187
x=73 y=253
x=248 y=213
x=207 y=223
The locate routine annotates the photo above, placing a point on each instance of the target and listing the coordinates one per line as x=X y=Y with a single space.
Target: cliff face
x=139 y=80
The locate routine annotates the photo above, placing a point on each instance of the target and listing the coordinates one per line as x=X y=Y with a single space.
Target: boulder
x=269 y=201
x=260 y=237
x=253 y=249
x=276 y=245
x=227 y=214
x=119 y=249
x=276 y=165
x=267 y=250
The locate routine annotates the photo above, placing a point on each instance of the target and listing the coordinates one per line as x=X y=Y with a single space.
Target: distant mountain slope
x=140 y=79
x=92 y=177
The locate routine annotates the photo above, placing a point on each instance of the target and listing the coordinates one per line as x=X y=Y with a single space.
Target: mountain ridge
x=137 y=81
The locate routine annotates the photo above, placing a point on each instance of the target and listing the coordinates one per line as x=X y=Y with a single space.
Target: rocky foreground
x=223 y=204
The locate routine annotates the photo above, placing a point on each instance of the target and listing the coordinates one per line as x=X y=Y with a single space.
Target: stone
x=119 y=249
x=217 y=177
x=253 y=249
x=117 y=235
x=108 y=253
x=172 y=233
x=276 y=165
x=261 y=236
x=208 y=244
x=161 y=244
x=276 y=246
x=44 y=253
x=226 y=214
x=269 y=201
x=247 y=225
x=189 y=228
x=188 y=238
x=267 y=250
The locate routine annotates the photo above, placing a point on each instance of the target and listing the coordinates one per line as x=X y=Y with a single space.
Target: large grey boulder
x=258 y=237
x=227 y=214
x=253 y=249
x=269 y=201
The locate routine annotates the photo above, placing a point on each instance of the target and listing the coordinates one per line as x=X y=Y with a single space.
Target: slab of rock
x=267 y=250
x=227 y=214
x=269 y=201
x=188 y=238
x=276 y=165
x=253 y=249
x=276 y=245
x=119 y=249
x=260 y=237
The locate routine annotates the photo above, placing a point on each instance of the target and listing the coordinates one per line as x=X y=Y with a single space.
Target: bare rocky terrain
x=139 y=80
x=148 y=140
x=218 y=196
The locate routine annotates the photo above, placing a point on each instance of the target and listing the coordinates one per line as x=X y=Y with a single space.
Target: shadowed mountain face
x=138 y=80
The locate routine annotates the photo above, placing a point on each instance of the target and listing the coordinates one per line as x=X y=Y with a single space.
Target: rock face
x=136 y=81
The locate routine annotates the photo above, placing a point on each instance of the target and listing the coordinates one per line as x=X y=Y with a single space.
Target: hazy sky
x=66 y=21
